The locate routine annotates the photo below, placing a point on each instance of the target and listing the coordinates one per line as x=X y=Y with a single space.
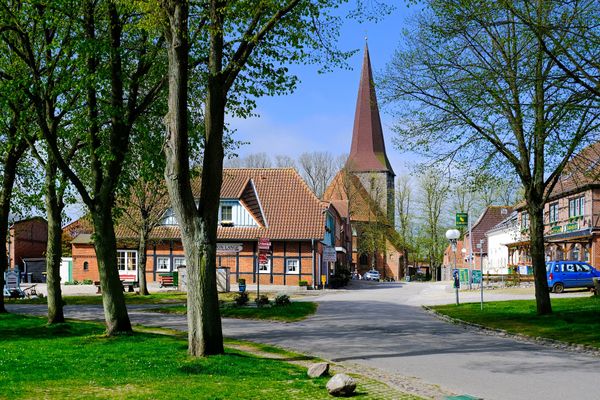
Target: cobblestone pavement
x=382 y=332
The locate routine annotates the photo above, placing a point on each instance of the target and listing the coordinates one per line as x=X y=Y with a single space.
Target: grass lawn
x=296 y=311
x=74 y=360
x=574 y=320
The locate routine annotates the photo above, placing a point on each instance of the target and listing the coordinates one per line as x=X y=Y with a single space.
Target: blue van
x=570 y=274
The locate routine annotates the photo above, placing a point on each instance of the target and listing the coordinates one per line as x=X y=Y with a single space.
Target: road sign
x=476 y=276
x=329 y=254
x=264 y=244
x=263 y=258
x=462 y=220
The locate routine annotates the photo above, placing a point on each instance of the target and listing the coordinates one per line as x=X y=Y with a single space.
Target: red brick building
x=571 y=214
x=28 y=238
x=275 y=204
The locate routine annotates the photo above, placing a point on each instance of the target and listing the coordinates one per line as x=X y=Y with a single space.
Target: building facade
x=28 y=238
x=274 y=204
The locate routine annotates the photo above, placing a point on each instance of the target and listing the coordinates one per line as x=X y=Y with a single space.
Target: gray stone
x=341 y=385
x=318 y=370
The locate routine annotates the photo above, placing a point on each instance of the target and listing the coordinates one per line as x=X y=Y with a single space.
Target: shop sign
x=229 y=248
x=571 y=226
x=556 y=229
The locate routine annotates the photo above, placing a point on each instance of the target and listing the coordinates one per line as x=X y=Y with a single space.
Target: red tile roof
x=490 y=217
x=284 y=205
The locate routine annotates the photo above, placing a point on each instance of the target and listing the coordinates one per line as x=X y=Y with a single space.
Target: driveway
x=382 y=326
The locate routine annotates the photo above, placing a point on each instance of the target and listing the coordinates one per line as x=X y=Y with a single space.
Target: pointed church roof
x=367 y=153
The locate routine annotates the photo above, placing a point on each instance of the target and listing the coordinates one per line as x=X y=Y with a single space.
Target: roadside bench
x=128 y=281
x=166 y=280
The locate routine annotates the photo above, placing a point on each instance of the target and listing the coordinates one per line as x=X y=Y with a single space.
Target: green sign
x=476 y=276
x=556 y=229
x=463 y=275
x=571 y=226
x=462 y=219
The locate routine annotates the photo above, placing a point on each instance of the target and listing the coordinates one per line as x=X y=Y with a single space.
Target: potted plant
x=242 y=285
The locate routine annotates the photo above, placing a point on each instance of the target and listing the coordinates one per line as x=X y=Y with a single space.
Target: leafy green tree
x=240 y=49
x=13 y=146
x=477 y=87
x=94 y=64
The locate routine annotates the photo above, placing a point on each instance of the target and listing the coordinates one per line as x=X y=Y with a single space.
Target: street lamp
x=452 y=235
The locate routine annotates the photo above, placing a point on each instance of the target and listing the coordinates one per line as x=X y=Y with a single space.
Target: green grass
x=75 y=360
x=574 y=320
x=296 y=311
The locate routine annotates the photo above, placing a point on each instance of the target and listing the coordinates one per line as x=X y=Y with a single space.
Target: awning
x=582 y=235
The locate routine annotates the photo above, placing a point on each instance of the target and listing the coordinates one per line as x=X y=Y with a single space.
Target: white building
x=498 y=237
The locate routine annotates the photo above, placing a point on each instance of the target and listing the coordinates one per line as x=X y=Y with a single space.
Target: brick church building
x=366 y=183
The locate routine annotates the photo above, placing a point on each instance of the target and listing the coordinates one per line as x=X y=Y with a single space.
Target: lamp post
x=452 y=235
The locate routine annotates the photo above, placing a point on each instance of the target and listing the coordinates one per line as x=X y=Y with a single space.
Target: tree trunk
x=54 y=245
x=8 y=180
x=113 y=299
x=142 y=248
x=538 y=257
x=197 y=231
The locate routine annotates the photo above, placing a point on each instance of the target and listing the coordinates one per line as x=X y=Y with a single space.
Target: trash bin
x=175 y=278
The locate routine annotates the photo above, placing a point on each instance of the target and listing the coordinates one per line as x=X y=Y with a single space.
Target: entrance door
x=127 y=262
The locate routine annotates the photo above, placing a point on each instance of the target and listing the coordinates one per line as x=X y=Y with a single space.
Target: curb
x=556 y=344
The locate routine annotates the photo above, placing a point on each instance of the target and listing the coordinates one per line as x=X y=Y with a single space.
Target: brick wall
x=241 y=264
x=28 y=239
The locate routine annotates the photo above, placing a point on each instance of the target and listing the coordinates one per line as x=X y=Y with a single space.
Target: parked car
x=570 y=274
x=372 y=275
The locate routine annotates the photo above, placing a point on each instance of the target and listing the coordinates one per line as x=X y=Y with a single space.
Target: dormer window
x=226 y=215
x=169 y=217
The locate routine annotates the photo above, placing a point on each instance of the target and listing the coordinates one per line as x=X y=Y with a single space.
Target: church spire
x=367 y=153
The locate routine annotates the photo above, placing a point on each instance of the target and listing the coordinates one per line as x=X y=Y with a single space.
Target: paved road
x=382 y=326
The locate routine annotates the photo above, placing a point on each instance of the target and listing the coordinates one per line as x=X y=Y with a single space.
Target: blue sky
x=319 y=115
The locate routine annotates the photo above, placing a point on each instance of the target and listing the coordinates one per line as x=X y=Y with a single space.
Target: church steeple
x=367 y=153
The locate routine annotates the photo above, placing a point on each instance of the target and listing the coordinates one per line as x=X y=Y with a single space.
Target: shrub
x=87 y=282
x=340 y=278
x=67 y=283
x=303 y=283
x=75 y=282
x=282 y=300
x=241 y=299
x=262 y=300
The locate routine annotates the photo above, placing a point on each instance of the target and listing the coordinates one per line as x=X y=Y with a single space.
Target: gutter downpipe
x=312 y=244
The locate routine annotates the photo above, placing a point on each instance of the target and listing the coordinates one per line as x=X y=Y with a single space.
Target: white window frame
x=230 y=207
x=158 y=263
x=296 y=270
x=265 y=268
x=553 y=212
x=126 y=257
x=576 y=206
x=177 y=261
x=525 y=220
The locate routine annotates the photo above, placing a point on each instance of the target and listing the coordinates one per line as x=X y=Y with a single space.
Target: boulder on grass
x=341 y=385
x=318 y=370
